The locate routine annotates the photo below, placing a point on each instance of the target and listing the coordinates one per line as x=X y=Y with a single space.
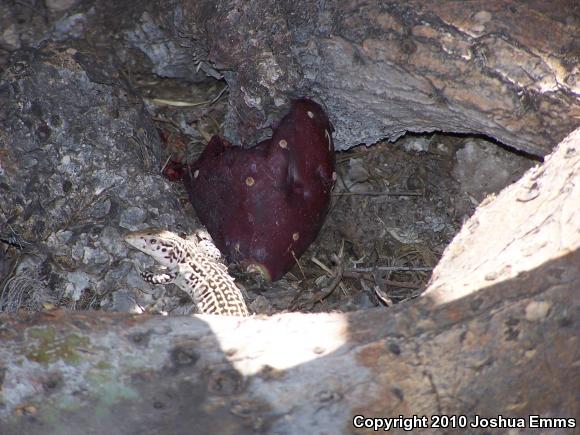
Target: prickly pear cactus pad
x=264 y=205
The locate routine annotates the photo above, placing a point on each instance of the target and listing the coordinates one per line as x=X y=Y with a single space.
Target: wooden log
x=486 y=340
x=384 y=68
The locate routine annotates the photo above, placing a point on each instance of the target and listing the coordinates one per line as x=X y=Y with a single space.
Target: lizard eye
x=152 y=241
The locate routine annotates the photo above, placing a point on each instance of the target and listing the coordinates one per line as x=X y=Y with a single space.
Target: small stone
x=59 y=5
x=417 y=144
x=95 y=256
x=10 y=37
x=483 y=17
x=78 y=281
x=132 y=217
x=123 y=301
x=536 y=311
x=491 y=276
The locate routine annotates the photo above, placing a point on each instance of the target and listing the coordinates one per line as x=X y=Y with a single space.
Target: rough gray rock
x=79 y=167
x=147 y=34
x=483 y=168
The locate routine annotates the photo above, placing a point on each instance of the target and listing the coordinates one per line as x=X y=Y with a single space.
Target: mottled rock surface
x=483 y=168
x=79 y=166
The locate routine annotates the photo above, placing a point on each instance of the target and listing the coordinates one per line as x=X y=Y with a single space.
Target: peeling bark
x=385 y=68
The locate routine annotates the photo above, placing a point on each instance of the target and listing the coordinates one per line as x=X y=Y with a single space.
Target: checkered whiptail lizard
x=194 y=265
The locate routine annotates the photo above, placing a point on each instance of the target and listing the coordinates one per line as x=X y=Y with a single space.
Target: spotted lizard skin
x=193 y=264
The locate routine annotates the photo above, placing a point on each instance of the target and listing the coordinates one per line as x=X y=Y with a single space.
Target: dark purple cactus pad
x=264 y=205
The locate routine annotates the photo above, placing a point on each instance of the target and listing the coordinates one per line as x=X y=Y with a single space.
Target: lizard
x=193 y=264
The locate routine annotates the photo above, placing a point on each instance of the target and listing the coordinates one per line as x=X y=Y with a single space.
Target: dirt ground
x=395 y=207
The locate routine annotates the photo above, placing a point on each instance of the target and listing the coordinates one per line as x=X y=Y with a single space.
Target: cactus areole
x=264 y=205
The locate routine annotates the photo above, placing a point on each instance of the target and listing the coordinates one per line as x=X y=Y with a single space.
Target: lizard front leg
x=188 y=282
x=202 y=240
x=159 y=278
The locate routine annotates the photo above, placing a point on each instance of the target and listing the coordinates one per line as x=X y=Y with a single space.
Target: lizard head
x=165 y=247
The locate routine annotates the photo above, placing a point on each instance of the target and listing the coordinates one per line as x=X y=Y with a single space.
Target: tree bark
x=506 y=69
x=497 y=332
x=386 y=68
